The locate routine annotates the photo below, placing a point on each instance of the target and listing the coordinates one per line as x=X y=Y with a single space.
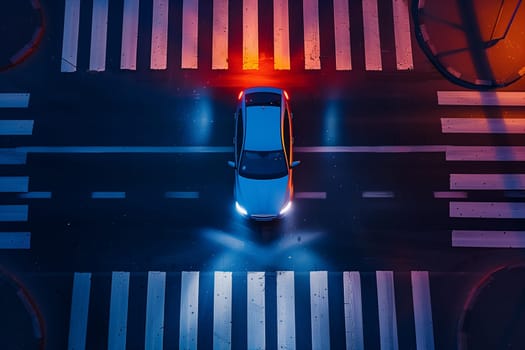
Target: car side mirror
x=295 y=163
x=231 y=164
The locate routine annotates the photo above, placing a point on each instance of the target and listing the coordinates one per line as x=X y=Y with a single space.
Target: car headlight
x=286 y=208
x=240 y=209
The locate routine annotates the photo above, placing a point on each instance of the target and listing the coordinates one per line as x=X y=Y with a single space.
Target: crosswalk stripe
x=285 y=310
x=130 y=28
x=483 y=125
x=222 y=311
x=118 y=312
x=320 y=319
x=250 y=36
x=14 y=100
x=189 y=310
x=343 y=55
x=79 y=311
x=371 y=35
x=422 y=310
x=159 y=35
x=99 y=28
x=485 y=153
x=12 y=213
x=402 y=35
x=387 y=310
x=353 y=309
x=220 y=35
x=488 y=210
x=281 y=35
x=312 y=51
x=16 y=127
x=488 y=239
x=14 y=183
x=190 y=27
x=70 y=36
x=15 y=240
x=156 y=295
x=256 y=310
x=487 y=181
x=481 y=98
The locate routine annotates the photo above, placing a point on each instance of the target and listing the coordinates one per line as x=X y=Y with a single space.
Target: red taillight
x=240 y=95
x=286 y=95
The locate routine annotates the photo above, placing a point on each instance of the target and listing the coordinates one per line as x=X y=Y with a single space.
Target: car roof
x=263 y=128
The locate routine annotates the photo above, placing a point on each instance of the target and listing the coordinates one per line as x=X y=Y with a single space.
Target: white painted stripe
x=353 y=311
x=108 y=195
x=250 y=36
x=281 y=35
x=481 y=98
x=12 y=156
x=222 y=311
x=189 y=310
x=343 y=51
x=256 y=310
x=422 y=310
x=159 y=35
x=118 y=311
x=312 y=50
x=130 y=33
x=16 y=127
x=79 y=311
x=35 y=195
x=185 y=195
x=15 y=240
x=70 y=36
x=493 y=210
x=483 y=125
x=190 y=31
x=488 y=239
x=485 y=153
x=13 y=213
x=156 y=295
x=99 y=29
x=402 y=35
x=387 y=310
x=285 y=310
x=378 y=194
x=311 y=195
x=14 y=100
x=320 y=318
x=450 y=194
x=371 y=35
x=14 y=183
x=487 y=181
x=219 y=56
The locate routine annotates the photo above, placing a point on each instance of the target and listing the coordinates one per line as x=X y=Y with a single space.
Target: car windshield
x=263 y=165
x=263 y=99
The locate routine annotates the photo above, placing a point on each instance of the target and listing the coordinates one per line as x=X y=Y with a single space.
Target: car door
x=239 y=136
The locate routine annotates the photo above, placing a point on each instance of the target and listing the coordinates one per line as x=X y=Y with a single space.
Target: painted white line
x=493 y=210
x=402 y=35
x=343 y=51
x=99 y=29
x=422 y=310
x=353 y=311
x=12 y=213
x=118 y=311
x=285 y=310
x=450 y=194
x=14 y=100
x=487 y=181
x=481 y=98
x=312 y=50
x=108 y=195
x=185 y=195
x=130 y=33
x=483 y=125
x=485 y=153
x=16 y=127
x=190 y=32
x=12 y=157
x=156 y=295
x=14 y=183
x=159 y=35
x=70 y=36
x=387 y=310
x=371 y=35
x=320 y=318
x=250 y=35
x=310 y=195
x=378 y=194
x=222 y=311
x=219 y=56
x=15 y=240
x=189 y=310
x=256 y=310
x=488 y=239
x=35 y=195
x=281 y=35
x=79 y=311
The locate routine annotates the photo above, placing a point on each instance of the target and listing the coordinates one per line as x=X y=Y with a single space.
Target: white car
x=263 y=147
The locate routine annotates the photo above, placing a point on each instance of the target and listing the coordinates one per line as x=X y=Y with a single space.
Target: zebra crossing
x=132 y=32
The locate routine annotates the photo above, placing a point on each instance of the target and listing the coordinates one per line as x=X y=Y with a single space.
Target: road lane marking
x=118 y=310
x=353 y=309
x=485 y=153
x=190 y=31
x=70 y=36
x=130 y=32
x=488 y=239
x=450 y=194
x=108 y=195
x=256 y=322
x=320 y=318
x=35 y=195
x=387 y=310
x=189 y=310
x=156 y=295
x=14 y=183
x=14 y=100
x=285 y=310
x=15 y=240
x=310 y=195
x=371 y=36
x=483 y=125
x=487 y=181
x=481 y=98
x=491 y=210
x=422 y=310
x=222 y=310
x=343 y=51
x=185 y=195
x=13 y=213
x=159 y=35
x=250 y=35
x=99 y=28
x=312 y=50
x=220 y=35
x=281 y=35
x=378 y=194
x=402 y=35
x=79 y=311
x=16 y=127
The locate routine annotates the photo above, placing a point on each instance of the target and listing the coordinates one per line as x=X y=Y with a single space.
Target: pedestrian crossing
x=132 y=31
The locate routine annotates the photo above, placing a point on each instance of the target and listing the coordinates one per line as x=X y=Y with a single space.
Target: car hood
x=262 y=197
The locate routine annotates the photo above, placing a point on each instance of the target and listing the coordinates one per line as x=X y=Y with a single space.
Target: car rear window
x=263 y=99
